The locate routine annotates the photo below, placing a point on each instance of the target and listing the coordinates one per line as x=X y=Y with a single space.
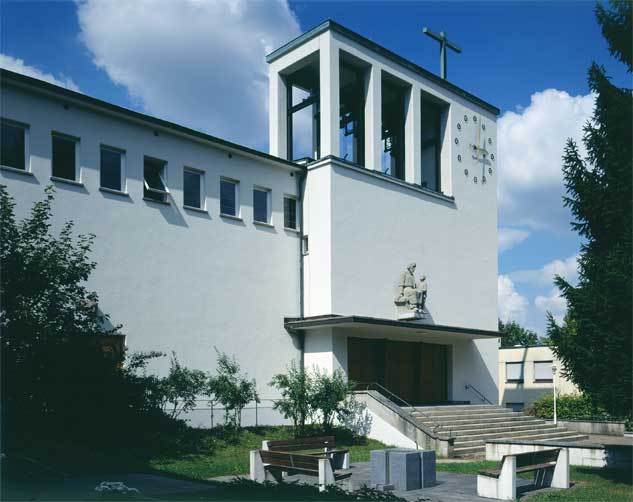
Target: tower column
x=329 y=96
x=278 y=114
x=373 y=118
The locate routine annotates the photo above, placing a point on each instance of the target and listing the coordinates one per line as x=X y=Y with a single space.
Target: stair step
x=517 y=418
x=469 y=450
x=484 y=433
x=455 y=407
x=458 y=429
x=467 y=413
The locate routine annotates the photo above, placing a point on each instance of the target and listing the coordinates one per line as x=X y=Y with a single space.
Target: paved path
x=450 y=487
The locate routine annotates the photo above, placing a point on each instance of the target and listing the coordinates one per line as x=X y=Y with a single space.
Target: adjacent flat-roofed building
x=525 y=374
x=302 y=254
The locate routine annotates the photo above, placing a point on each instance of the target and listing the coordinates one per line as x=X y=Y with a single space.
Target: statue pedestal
x=404 y=314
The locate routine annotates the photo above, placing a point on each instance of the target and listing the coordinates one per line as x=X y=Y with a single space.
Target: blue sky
x=173 y=60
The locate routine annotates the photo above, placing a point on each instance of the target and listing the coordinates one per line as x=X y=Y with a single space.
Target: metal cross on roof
x=444 y=42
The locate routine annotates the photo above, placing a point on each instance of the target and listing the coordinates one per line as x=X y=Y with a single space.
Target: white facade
x=188 y=281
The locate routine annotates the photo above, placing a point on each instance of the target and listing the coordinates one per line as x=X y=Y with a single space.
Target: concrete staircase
x=472 y=425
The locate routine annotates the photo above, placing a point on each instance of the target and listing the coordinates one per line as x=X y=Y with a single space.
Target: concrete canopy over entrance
x=419 y=363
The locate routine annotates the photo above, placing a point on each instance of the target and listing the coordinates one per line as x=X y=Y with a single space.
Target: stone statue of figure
x=410 y=293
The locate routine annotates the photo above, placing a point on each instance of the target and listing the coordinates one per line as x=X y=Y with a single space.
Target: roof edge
x=329 y=24
x=24 y=81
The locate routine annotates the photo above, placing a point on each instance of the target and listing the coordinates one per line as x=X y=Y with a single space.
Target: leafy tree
x=181 y=387
x=515 y=334
x=296 y=388
x=231 y=389
x=57 y=383
x=594 y=342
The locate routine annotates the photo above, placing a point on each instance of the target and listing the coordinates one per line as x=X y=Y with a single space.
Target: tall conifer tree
x=594 y=341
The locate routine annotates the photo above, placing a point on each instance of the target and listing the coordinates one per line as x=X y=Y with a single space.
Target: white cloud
x=19 y=66
x=567 y=269
x=510 y=237
x=196 y=62
x=531 y=142
x=512 y=305
x=554 y=303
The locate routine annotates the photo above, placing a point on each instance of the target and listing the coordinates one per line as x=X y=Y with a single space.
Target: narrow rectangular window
x=154 y=186
x=290 y=213
x=515 y=406
x=13 y=146
x=432 y=114
x=228 y=198
x=514 y=372
x=543 y=371
x=64 y=158
x=193 y=188
x=261 y=205
x=111 y=168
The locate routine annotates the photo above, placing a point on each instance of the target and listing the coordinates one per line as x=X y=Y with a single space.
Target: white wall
x=176 y=279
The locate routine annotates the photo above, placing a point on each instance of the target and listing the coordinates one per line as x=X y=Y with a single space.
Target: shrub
x=296 y=388
x=354 y=416
x=180 y=388
x=231 y=389
x=568 y=407
x=329 y=395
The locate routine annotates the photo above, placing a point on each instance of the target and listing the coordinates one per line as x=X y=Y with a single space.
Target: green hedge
x=568 y=407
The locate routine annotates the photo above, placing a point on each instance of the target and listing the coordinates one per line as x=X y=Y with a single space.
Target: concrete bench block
x=404 y=469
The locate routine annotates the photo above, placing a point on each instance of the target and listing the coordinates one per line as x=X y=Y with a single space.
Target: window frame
x=203 y=191
x=296 y=201
x=544 y=380
x=27 y=150
x=163 y=177
x=269 y=212
x=516 y=380
x=77 y=141
x=122 y=171
x=236 y=192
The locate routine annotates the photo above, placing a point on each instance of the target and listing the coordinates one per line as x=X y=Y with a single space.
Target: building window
x=518 y=407
x=432 y=117
x=261 y=205
x=193 y=188
x=543 y=371
x=394 y=96
x=13 y=146
x=229 y=203
x=514 y=372
x=290 y=213
x=64 y=157
x=154 y=186
x=352 y=112
x=111 y=168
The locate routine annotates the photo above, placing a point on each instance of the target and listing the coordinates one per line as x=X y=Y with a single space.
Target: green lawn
x=229 y=454
x=590 y=484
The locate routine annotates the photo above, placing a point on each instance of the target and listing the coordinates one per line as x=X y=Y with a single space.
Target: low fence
x=208 y=414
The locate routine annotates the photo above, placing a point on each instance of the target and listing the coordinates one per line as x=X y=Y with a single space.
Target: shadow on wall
x=482 y=378
x=521 y=394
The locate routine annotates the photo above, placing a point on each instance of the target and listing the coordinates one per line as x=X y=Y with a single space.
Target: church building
x=365 y=240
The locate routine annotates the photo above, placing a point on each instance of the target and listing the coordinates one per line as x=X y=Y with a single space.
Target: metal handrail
x=481 y=396
x=397 y=399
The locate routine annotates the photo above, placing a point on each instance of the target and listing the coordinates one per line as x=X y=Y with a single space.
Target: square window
x=193 y=188
x=228 y=198
x=543 y=371
x=514 y=372
x=111 y=169
x=13 y=146
x=64 y=158
x=154 y=187
x=290 y=213
x=261 y=205
x=517 y=407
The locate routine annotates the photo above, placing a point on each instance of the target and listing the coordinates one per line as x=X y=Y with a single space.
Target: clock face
x=474 y=147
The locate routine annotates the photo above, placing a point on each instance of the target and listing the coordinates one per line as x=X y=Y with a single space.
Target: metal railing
x=481 y=396
x=436 y=427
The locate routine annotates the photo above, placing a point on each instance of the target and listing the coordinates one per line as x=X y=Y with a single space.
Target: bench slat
x=302 y=443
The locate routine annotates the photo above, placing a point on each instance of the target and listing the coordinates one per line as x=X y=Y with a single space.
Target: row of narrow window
x=13 y=153
x=542 y=371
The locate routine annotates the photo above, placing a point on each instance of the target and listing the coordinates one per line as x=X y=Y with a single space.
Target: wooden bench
x=550 y=467
x=265 y=463
x=321 y=446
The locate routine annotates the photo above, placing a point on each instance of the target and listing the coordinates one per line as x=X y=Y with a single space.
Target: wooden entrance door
x=414 y=371
x=434 y=375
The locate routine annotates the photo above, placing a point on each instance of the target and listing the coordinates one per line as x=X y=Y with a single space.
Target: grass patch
x=591 y=484
x=229 y=452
